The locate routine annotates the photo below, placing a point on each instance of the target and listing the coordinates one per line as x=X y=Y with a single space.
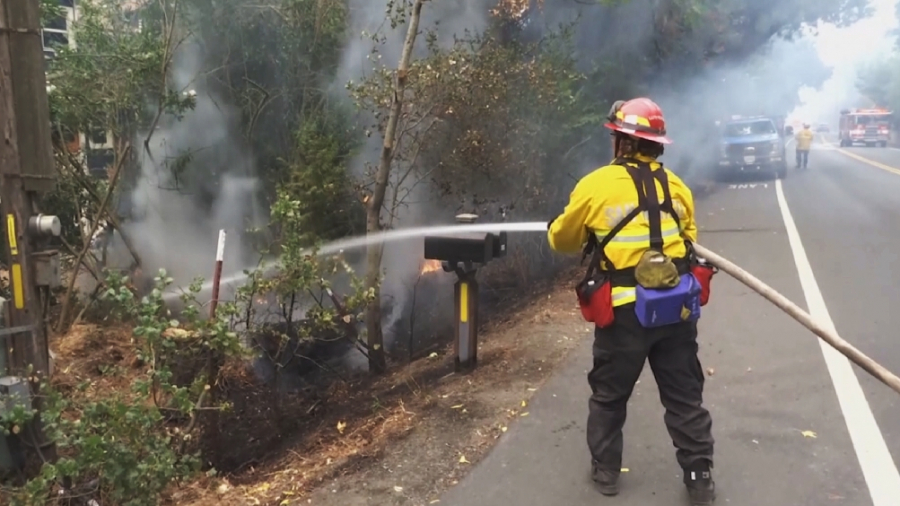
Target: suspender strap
x=653 y=209
x=644 y=179
x=667 y=205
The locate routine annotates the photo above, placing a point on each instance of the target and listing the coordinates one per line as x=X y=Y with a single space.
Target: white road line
x=878 y=467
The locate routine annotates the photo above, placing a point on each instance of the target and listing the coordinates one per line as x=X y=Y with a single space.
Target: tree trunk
x=63 y=322
x=375 y=336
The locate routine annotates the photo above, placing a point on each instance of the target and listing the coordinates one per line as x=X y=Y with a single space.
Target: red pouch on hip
x=595 y=301
x=704 y=273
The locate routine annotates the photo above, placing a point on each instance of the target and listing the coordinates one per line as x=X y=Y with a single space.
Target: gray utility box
x=46 y=268
x=13 y=392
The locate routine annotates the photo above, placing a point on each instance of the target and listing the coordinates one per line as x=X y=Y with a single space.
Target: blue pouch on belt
x=658 y=307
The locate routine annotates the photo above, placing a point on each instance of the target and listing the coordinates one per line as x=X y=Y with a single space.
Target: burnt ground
x=408 y=436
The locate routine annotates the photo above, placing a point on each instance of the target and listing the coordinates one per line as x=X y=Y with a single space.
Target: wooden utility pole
x=26 y=171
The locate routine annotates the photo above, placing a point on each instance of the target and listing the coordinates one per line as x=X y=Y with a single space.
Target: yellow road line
x=873 y=163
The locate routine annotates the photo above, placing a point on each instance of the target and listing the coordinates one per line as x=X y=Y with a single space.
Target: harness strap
x=667 y=204
x=599 y=248
x=644 y=179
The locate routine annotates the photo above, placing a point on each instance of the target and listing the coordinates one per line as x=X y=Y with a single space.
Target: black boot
x=607 y=480
x=700 y=484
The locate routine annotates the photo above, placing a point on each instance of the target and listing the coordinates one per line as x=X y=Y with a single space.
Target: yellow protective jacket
x=603 y=198
x=804 y=139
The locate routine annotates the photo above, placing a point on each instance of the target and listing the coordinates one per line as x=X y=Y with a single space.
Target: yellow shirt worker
x=804 y=139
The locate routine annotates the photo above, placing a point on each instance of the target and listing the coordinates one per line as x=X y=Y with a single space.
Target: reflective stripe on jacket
x=605 y=196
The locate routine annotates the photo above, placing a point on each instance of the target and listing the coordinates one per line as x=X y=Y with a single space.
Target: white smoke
x=845 y=50
x=176 y=218
x=401 y=261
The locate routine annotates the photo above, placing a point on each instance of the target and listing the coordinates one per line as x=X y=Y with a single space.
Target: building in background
x=95 y=148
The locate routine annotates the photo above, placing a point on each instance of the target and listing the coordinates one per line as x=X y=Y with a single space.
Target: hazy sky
x=842 y=47
x=845 y=49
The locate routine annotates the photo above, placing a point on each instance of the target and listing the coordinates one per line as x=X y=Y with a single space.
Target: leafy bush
x=127 y=447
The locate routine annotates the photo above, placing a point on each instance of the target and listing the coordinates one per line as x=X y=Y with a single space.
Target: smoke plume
x=176 y=215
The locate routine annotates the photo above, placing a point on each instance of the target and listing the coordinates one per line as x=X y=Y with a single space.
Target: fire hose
x=794 y=311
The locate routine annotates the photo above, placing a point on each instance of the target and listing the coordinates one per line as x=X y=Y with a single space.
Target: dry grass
x=100 y=356
x=433 y=421
x=436 y=422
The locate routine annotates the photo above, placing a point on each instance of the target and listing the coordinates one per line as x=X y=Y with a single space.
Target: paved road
x=829 y=239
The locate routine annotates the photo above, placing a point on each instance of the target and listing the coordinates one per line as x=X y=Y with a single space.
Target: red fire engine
x=866 y=126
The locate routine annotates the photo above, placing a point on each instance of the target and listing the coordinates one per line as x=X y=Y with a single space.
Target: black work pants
x=802 y=158
x=619 y=354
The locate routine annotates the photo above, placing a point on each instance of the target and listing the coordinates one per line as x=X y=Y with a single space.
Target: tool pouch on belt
x=595 y=300
x=704 y=272
x=656 y=307
x=663 y=295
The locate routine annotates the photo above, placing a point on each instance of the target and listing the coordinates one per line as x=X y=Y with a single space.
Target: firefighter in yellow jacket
x=608 y=210
x=804 y=140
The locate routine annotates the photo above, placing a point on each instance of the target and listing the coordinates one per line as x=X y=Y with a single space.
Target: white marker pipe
x=794 y=311
x=217 y=274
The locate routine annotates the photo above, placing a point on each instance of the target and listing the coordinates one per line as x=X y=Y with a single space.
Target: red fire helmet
x=639 y=117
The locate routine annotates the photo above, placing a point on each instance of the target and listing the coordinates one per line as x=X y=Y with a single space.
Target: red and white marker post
x=217 y=275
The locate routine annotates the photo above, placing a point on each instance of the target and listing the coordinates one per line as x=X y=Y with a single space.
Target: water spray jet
x=337 y=247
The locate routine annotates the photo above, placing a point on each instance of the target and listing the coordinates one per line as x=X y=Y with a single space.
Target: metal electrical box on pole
x=26 y=171
x=462 y=255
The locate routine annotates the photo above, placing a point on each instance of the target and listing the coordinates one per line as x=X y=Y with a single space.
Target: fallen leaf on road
x=504 y=429
x=710 y=371
x=341 y=426
x=809 y=433
x=398 y=489
x=457 y=406
x=532 y=389
x=524 y=404
x=435 y=501
x=524 y=414
x=625 y=469
x=463 y=460
x=433 y=354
